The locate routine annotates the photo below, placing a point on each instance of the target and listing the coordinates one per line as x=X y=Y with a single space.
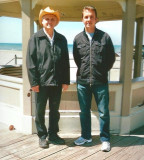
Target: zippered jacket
x=93 y=60
x=47 y=65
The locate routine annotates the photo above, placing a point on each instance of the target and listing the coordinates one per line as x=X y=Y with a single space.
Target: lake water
x=18 y=47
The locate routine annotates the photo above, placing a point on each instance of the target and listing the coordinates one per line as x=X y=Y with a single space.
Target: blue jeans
x=101 y=94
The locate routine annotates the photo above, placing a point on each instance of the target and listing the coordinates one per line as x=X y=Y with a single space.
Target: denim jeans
x=101 y=94
x=52 y=93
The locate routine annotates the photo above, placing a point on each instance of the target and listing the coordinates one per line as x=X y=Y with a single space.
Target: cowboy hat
x=48 y=10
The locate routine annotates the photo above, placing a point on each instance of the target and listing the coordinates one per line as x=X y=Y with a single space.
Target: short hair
x=90 y=8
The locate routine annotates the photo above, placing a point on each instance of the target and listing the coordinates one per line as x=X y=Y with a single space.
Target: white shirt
x=90 y=36
x=50 y=39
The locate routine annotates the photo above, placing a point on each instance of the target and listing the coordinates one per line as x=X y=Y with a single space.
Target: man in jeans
x=94 y=56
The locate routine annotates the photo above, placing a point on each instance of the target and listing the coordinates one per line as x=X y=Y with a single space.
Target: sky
x=11 y=30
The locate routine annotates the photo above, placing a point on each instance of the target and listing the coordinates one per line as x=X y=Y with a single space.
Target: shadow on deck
x=15 y=146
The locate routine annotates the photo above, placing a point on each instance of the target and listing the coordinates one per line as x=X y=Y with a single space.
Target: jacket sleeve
x=31 y=61
x=111 y=54
x=66 y=66
x=75 y=54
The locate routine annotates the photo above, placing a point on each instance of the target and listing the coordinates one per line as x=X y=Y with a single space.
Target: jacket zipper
x=90 y=63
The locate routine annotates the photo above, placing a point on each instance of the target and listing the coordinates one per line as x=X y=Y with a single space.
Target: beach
x=7 y=55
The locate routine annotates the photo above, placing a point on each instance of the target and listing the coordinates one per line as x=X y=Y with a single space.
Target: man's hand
x=64 y=87
x=35 y=88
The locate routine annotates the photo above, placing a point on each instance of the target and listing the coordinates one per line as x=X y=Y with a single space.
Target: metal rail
x=15 y=59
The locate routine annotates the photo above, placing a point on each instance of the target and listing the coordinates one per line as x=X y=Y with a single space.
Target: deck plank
x=8 y=137
x=80 y=152
x=11 y=157
x=72 y=149
x=15 y=146
x=116 y=148
x=12 y=140
x=86 y=152
x=53 y=149
x=132 y=152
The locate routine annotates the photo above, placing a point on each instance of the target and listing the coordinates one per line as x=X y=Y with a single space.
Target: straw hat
x=48 y=10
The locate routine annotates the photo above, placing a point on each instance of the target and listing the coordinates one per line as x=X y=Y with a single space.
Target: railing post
x=15 y=59
x=142 y=65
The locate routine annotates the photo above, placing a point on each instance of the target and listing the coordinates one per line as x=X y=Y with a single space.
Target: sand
x=8 y=55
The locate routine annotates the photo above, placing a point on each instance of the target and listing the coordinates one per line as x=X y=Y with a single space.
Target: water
x=18 y=47
x=11 y=46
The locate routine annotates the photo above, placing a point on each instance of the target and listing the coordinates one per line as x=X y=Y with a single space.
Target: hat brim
x=43 y=13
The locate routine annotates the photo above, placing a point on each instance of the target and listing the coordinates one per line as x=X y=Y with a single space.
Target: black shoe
x=43 y=143
x=55 y=139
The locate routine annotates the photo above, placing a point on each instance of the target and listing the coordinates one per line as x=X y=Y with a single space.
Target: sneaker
x=55 y=139
x=43 y=143
x=81 y=141
x=105 y=147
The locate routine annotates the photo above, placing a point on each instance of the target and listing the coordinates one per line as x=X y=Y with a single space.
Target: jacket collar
x=42 y=34
x=96 y=30
x=94 y=36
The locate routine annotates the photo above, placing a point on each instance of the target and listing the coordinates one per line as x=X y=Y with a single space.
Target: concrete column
x=126 y=55
x=138 y=48
x=38 y=25
x=27 y=31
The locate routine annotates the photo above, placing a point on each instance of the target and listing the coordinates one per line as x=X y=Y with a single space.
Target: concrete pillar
x=38 y=25
x=126 y=55
x=27 y=31
x=138 y=48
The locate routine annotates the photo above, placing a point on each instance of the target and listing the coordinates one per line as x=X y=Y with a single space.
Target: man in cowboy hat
x=48 y=72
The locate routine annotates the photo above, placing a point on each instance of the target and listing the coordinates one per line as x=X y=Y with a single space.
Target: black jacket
x=95 y=60
x=47 y=65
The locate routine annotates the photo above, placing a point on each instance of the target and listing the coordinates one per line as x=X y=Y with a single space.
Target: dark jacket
x=95 y=60
x=47 y=65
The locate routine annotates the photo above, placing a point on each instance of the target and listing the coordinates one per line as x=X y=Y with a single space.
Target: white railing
x=15 y=59
x=113 y=75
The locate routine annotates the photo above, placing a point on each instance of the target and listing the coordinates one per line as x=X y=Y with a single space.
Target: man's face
x=49 y=21
x=89 y=18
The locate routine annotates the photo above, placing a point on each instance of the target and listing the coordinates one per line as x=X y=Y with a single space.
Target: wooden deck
x=17 y=146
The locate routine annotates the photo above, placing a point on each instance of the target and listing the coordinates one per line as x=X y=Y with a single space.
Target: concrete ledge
x=10 y=115
x=11 y=79
x=133 y=121
x=70 y=122
x=125 y=125
x=27 y=124
x=138 y=79
x=136 y=117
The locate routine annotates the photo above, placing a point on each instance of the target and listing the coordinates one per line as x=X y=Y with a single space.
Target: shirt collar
x=50 y=39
